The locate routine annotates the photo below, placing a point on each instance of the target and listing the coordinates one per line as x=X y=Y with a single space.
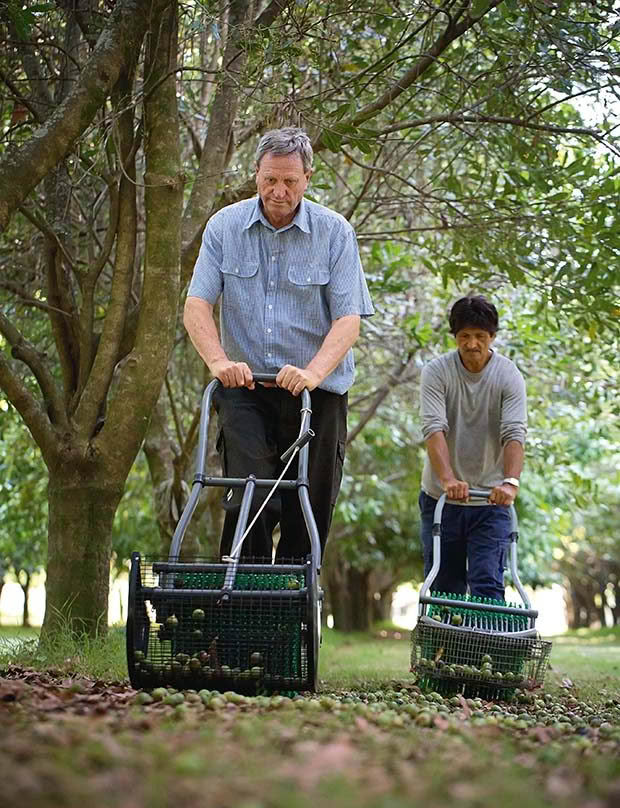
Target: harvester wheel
x=315 y=604
x=137 y=630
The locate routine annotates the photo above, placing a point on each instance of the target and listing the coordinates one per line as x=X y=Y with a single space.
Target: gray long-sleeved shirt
x=479 y=413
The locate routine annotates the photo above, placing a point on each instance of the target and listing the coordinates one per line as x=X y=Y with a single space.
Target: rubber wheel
x=315 y=603
x=136 y=635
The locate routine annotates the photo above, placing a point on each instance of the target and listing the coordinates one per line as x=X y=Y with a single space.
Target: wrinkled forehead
x=281 y=164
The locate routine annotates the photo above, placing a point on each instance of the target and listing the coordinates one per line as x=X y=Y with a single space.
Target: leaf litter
x=69 y=738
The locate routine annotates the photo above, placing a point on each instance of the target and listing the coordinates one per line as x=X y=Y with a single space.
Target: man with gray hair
x=292 y=291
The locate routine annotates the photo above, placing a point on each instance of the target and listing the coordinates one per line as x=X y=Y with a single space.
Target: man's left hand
x=296 y=379
x=504 y=494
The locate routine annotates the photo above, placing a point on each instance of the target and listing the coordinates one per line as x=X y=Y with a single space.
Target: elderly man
x=473 y=409
x=292 y=291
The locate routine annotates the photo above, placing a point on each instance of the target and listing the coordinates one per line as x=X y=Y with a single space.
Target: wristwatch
x=511 y=481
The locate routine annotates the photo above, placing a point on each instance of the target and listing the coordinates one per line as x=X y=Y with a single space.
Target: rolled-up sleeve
x=206 y=281
x=513 y=424
x=432 y=402
x=347 y=292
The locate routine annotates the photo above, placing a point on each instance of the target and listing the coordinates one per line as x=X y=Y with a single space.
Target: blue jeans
x=474 y=545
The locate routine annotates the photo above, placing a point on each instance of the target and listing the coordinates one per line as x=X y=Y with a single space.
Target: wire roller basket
x=185 y=634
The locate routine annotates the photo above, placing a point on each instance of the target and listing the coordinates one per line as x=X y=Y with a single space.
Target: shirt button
x=273 y=258
x=269 y=355
x=308 y=278
x=271 y=283
x=269 y=331
x=237 y=271
x=270 y=307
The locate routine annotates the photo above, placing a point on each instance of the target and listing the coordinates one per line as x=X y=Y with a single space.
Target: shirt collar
x=300 y=220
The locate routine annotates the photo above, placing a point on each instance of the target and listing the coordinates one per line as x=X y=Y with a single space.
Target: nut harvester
x=476 y=646
x=246 y=625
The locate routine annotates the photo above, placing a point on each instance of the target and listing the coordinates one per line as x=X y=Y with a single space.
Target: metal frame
x=310 y=594
x=301 y=484
x=446 y=656
x=424 y=599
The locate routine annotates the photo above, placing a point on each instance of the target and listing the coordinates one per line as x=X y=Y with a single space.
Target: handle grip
x=479 y=493
x=265 y=377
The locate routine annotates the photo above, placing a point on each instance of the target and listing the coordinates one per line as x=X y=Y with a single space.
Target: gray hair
x=289 y=140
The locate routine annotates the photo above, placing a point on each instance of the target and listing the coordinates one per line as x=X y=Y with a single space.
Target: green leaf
x=332 y=140
x=341 y=111
x=478 y=8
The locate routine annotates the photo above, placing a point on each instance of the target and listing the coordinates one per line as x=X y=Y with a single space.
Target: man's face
x=281 y=184
x=474 y=345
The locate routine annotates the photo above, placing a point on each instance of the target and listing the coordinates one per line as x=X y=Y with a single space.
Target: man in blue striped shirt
x=292 y=291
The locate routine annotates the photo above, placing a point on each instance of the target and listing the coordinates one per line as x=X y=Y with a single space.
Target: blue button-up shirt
x=281 y=289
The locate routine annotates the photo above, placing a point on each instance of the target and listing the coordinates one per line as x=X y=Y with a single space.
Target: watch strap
x=511 y=481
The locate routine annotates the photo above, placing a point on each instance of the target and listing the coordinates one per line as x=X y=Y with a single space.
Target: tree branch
x=29 y=301
x=23 y=350
x=25 y=102
x=96 y=375
x=458 y=119
x=404 y=371
x=116 y=48
x=62 y=323
x=47 y=231
x=140 y=379
x=35 y=418
x=452 y=32
x=216 y=153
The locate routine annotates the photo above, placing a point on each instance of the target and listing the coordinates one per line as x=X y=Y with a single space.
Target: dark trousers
x=255 y=428
x=474 y=544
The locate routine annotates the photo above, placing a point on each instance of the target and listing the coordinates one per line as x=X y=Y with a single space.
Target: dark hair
x=473 y=311
x=290 y=140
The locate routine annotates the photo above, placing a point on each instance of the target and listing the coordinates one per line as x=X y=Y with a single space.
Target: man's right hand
x=232 y=374
x=456 y=489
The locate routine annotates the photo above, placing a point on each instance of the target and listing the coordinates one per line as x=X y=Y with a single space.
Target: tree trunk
x=79 y=547
x=382 y=585
x=26 y=590
x=382 y=606
x=349 y=595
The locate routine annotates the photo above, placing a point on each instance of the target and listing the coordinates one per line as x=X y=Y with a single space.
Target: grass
x=100 y=658
x=589 y=659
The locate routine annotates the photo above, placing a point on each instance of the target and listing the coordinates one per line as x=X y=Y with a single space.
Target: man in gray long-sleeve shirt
x=473 y=408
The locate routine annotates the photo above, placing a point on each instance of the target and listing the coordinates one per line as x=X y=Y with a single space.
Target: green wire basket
x=184 y=634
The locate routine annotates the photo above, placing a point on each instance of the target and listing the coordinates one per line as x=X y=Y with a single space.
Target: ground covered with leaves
x=68 y=739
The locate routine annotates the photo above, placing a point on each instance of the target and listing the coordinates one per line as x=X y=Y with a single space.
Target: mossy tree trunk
x=112 y=313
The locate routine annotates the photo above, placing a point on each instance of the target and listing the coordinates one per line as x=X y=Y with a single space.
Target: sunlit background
x=549 y=602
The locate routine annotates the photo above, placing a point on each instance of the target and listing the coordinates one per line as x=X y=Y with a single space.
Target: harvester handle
x=201 y=479
x=474 y=493
x=269 y=378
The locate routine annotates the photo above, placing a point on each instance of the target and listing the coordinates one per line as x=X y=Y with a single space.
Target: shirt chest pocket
x=240 y=279
x=239 y=269
x=307 y=276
